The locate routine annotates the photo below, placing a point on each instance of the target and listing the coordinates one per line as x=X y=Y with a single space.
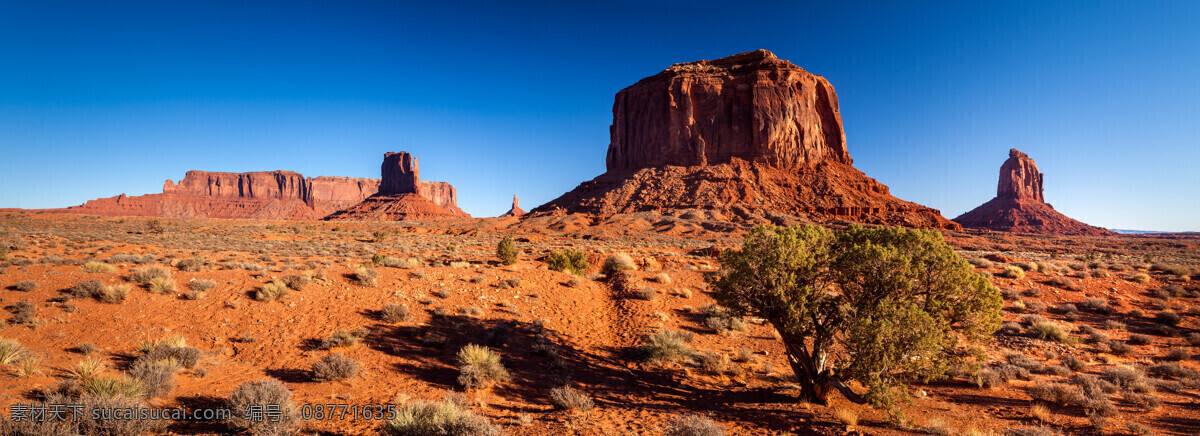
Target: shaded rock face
x=403 y=196
x=750 y=136
x=751 y=106
x=1019 y=205
x=515 y=210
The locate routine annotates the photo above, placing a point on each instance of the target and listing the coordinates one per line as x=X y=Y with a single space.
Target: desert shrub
x=1141 y=278
x=1176 y=355
x=981 y=262
x=393 y=313
x=662 y=278
x=25 y=285
x=1113 y=325
x=1139 y=339
x=479 y=367
x=160 y=285
x=1014 y=272
x=1193 y=339
x=1119 y=348
x=988 y=378
x=506 y=250
x=571 y=261
x=667 y=346
x=908 y=292
x=110 y=387
x=99 y=267
x=112 y=294
x=271 y=291
x=1098 y=305
x=1063 y=282
x=1066 y=308
x=86 y=289
x=343 y=338
x=1073 y=363
x=1049 y=331
x=297 y=281
x=1058 y=393
x=1174 y=270
x=263 y=394
x=175 y=354
x=1167 y=317
x=334 y=367
x=23 y=312
x=692 y=425
x=1033 y=292
x=1174 y=370
x=443 y=418
x=144 y=275
x=191 y=264
x=1032 y=431
x=366 y=276
x=87 y=368
x=201 y=285
x=722 y=320
x=568 y=398
x=647 y=293
x=618 y=262
x=158 y=379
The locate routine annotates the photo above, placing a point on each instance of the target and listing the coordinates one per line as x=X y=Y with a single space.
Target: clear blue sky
x=103 y=98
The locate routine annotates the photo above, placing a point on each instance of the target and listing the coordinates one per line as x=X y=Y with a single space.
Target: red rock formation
x=1019 y=205
x=749 y=134
x=403 y=196
x=269 y=195
x=515 y=210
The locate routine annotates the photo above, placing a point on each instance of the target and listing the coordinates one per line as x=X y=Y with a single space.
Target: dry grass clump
x=159 y=285
x=144 y=275
x=479 y=367
x=263 y=394
x=297 y=281
x=344 y=338
x=393 y=313
x=191 y=265
x=662 y=278
x=1140 y=339
x=667 y=346
x=112 y=294
x=11 y=351
x=1013 y=272
x=99 y=267
x=271 y=291
x=1064 y=283
x=568 y=398
x=618 y=262
x=1049 y=331
x=847 y=415
x=692 y=425
x=334 y=367
x=1058 y=393
x=446 y=417
x=1140 y=278
x=366 y=277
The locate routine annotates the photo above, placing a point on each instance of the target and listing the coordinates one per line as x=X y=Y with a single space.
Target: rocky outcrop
x=515 y=210
x=748 y=135
x=270 y=195
x=1019 y=205
x=403 y=196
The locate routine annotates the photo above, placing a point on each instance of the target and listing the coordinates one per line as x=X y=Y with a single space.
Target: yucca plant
x=10 y=351
x=109 y=387
x=87 y=368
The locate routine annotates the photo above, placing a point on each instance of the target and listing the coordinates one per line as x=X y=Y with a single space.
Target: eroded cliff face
x=748 y=135
x=270 y=195
x=403 y=196
x=1019 y=205
x=751 y=106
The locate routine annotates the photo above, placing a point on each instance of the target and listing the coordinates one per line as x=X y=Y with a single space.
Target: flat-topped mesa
x=400 y=174
x=1019 y=178
x=753 y=106
x=1020 y=207
x=258 y=184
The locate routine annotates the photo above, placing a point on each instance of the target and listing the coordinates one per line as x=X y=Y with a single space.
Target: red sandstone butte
x=749 y=135
x=403 y=196
x=1019 y=205
x=515 y=210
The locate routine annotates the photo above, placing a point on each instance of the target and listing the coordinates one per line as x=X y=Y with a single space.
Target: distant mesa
x=745 y=135
x=1019 y=205
x=403 y=196
x=515 y=210
x=265 y=195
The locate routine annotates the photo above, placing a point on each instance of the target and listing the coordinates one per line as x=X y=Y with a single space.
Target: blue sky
x=103 y=98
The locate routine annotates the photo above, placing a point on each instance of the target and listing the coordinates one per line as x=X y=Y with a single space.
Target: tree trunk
x=814 y=377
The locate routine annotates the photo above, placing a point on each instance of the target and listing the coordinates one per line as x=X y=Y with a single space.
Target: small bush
x=263 y=394
x=443 y=418
x=1168 y=317
x=1058 y=393
x=160 y=285
x=506 y=250
x=393 y=313
x=1073 y=363
x=1113 y=325
x=1050 y=331
x=1098 y=305
x=342 y=338
x=297 y=281
x=1139 y=339
x=479 y=367
x=192 y=265
x=647 y=293
x=157 y=379
x=571 y=261
x=366 y=276
x=618 y=262
x=1141 y=278
x=144 y=275
x=567 y=398
x=113 y=294
x=692 y=425
x=662 y=278
x=202 y=285
x=1119 y=348
x=99 y=267
x=25 y=285
x=667 y=346
x=334 y=367
x=271 y=291
x=1176 y=355
x=1013 y=272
